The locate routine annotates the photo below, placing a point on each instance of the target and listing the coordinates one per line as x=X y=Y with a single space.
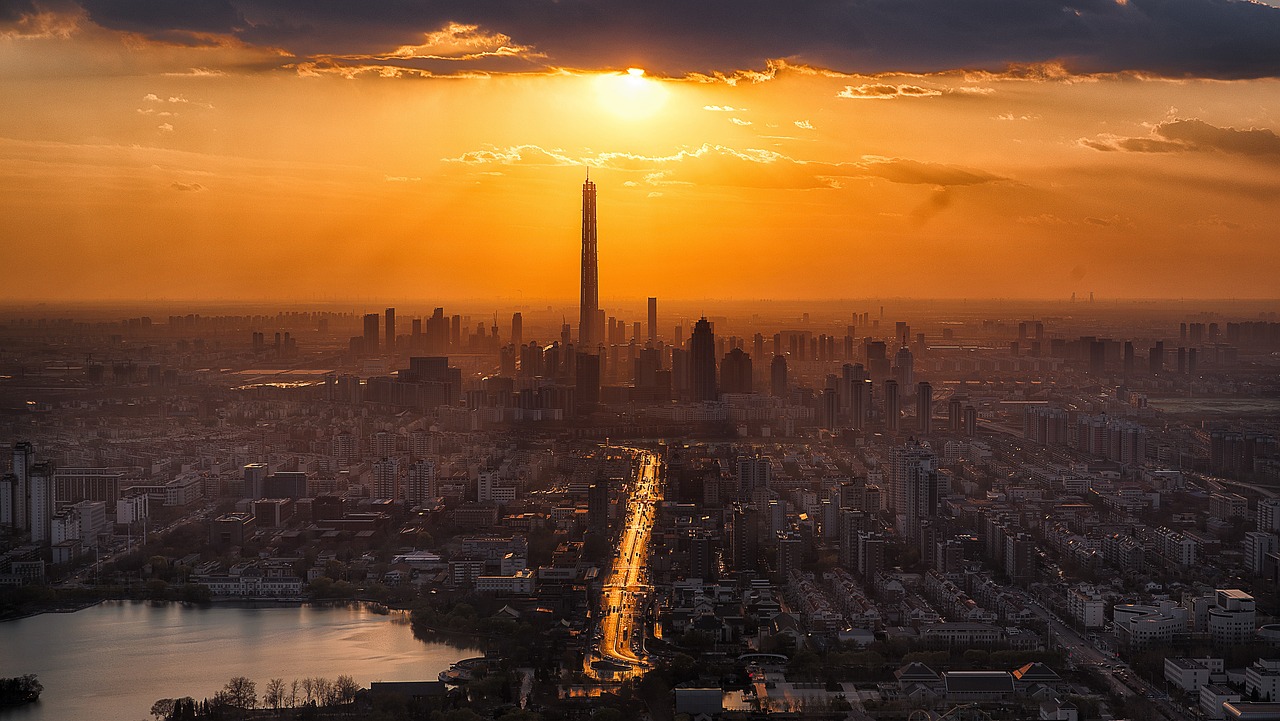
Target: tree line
x=240 y=696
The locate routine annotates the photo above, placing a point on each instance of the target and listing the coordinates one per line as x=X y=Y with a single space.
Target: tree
x=293 y=693
x=309 y=689
x=241 y=693
x=324 y=691
x=345 y=688
x=163 y=708
x=273 y=696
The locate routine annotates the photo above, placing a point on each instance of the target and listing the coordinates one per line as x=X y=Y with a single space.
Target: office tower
x=702 y=361
x=40 y=502
x=1128 y=358
x=970 y=421
x=598 y=505
x=255 y=477
x=877 y=359
x=924 y=407
x=589 y=304
x=455 y=334
x=1097 y=357
x=1155 y=359
x=735 y=373
x=517 y=330
x=371 y=333
x=778 y=376
x=1191 y=361
x=955 y=415
x=905 y=371
x=860 y=403
x=754 y=474
x=586 y=381
x=892 y=406
x=391 y=329
x=828 y=408
x=653 y=320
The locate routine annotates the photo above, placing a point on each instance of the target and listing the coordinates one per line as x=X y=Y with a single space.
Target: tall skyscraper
x=735 y=372
x=702 y=361
x=589 y=304
x=892 y=406
x=391 y=329
x=371 y=333
x=517 y=330
x=778 y=376
x=653 y=320
x=924 y=407
x=24 y=457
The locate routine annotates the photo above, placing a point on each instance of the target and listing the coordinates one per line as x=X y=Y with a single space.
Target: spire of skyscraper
x=590 y=300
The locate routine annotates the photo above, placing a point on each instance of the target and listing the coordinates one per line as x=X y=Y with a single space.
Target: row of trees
x=241 y=694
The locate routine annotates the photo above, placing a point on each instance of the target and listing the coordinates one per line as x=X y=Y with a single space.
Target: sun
x=630 y=95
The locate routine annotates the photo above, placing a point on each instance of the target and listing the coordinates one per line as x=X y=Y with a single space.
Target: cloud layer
x=1205 y=38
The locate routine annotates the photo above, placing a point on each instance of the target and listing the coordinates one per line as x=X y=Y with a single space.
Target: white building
x=1263 y=678
x=1142 y=626
x=1213 y=696
x=1176 y=548
x=132 y=508
x=1087 y=606
x=1189 y=674
x=1233 y=618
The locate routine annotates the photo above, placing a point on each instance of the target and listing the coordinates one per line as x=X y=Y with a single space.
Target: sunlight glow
x=630 y=95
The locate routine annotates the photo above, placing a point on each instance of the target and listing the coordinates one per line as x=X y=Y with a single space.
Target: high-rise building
x=391 y=329
x=702 y=361
x=735 y=372
x=587 y=381
x=371 y=333
x=386 y=478
x=422 y=482
x=255 y=478
x=517 y=330
x=40 y=501
x=589 y=304
x=754 y=474
x=904 y=368
x=778 y=376
x=892 y=407
x=24 y=457
x=653 y=320
x=924 y=407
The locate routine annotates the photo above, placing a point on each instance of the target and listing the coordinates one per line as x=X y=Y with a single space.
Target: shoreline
x=375 y=607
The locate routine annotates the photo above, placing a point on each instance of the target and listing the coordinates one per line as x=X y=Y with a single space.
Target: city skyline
x=1115 y=149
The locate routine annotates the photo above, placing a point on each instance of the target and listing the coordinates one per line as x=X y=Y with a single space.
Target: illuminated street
x=626 y=586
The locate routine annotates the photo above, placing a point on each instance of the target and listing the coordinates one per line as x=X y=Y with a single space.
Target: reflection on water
x=112 y=661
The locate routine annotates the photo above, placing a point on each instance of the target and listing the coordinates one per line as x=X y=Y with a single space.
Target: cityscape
x=578 y=427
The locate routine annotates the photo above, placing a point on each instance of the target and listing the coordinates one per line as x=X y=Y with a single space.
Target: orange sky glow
x=135 y=167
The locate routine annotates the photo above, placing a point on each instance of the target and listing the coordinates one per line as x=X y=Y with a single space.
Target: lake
x=113 y=660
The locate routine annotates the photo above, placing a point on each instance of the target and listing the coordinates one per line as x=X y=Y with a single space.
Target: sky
x=796 y=149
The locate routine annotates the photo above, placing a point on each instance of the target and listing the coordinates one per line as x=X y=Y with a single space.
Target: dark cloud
x=1192 y=135
x=1210 y=38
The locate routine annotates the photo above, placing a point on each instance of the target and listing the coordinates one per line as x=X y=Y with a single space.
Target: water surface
x=113 y=660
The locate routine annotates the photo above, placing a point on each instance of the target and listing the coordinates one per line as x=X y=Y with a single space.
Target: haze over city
x=271 y=150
